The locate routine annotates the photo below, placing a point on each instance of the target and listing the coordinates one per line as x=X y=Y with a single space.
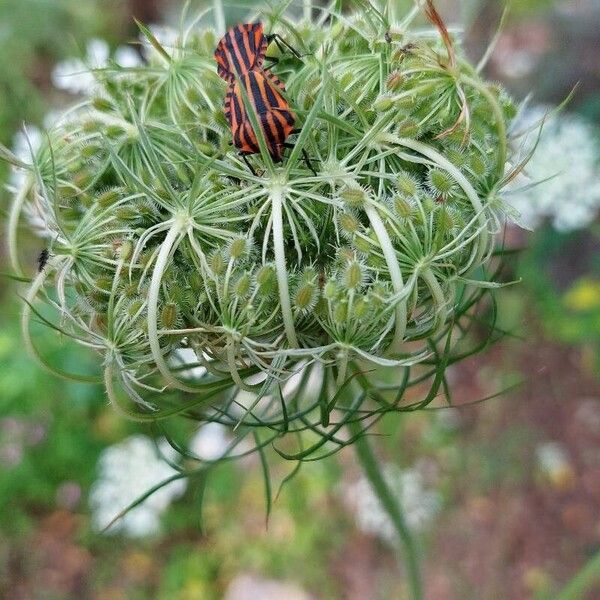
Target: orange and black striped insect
x=274 y=115
x=240 y=57
x=244 y=47
x=241 y=49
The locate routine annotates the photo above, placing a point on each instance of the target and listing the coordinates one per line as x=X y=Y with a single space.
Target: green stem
x=391 y=506
x=583 y=582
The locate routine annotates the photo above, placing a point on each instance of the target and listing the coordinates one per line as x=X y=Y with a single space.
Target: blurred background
x=504 y=496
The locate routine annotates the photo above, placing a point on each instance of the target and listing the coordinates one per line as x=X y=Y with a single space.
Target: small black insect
x=43 y=257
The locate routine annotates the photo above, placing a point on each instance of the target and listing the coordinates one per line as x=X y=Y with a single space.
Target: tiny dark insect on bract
x=43 y=257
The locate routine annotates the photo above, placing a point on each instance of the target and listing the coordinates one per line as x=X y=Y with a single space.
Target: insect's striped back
x=276 y=119
x=241 y=49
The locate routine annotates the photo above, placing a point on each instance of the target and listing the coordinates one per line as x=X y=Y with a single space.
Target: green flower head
x=357 y=251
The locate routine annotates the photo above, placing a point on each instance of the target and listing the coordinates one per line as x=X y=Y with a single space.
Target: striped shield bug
x=242 y=49
x=240 y=56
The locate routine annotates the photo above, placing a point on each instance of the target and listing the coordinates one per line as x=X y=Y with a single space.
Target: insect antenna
x=245 y=159
x=282 y=44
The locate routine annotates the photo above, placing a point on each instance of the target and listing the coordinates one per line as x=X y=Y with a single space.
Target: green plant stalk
x=391 y=506
x=583 y=581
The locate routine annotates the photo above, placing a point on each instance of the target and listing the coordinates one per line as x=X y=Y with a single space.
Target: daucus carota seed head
x=323 y=258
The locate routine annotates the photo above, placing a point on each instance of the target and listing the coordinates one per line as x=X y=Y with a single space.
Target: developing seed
x=349 y=224
x=168 y=315
x=383 y=103
x=217 y=263
x=241 y=288
x=238 y=248
x=354 y=275
x=394 y=81
x=330 y=290
x=353 y=196
x=266 y=280
x=306 y=297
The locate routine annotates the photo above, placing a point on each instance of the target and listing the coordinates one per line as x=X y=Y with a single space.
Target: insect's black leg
x=245 y=159
x=307 y=161
x=275 y=37
x=304 y=155
x=273 y=60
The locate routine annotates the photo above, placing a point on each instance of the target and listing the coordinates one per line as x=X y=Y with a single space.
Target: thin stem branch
x=13 y=225
x=391 y=506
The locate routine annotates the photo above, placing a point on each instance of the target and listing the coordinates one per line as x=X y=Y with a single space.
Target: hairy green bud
x=353 y=196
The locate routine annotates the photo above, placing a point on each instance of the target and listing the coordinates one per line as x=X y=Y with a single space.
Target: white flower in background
x=127 y=470
x=554 y=463
x=210 y=442
x=75 y=75
x=127 y=57
x=568 y=155
x=419 y=503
